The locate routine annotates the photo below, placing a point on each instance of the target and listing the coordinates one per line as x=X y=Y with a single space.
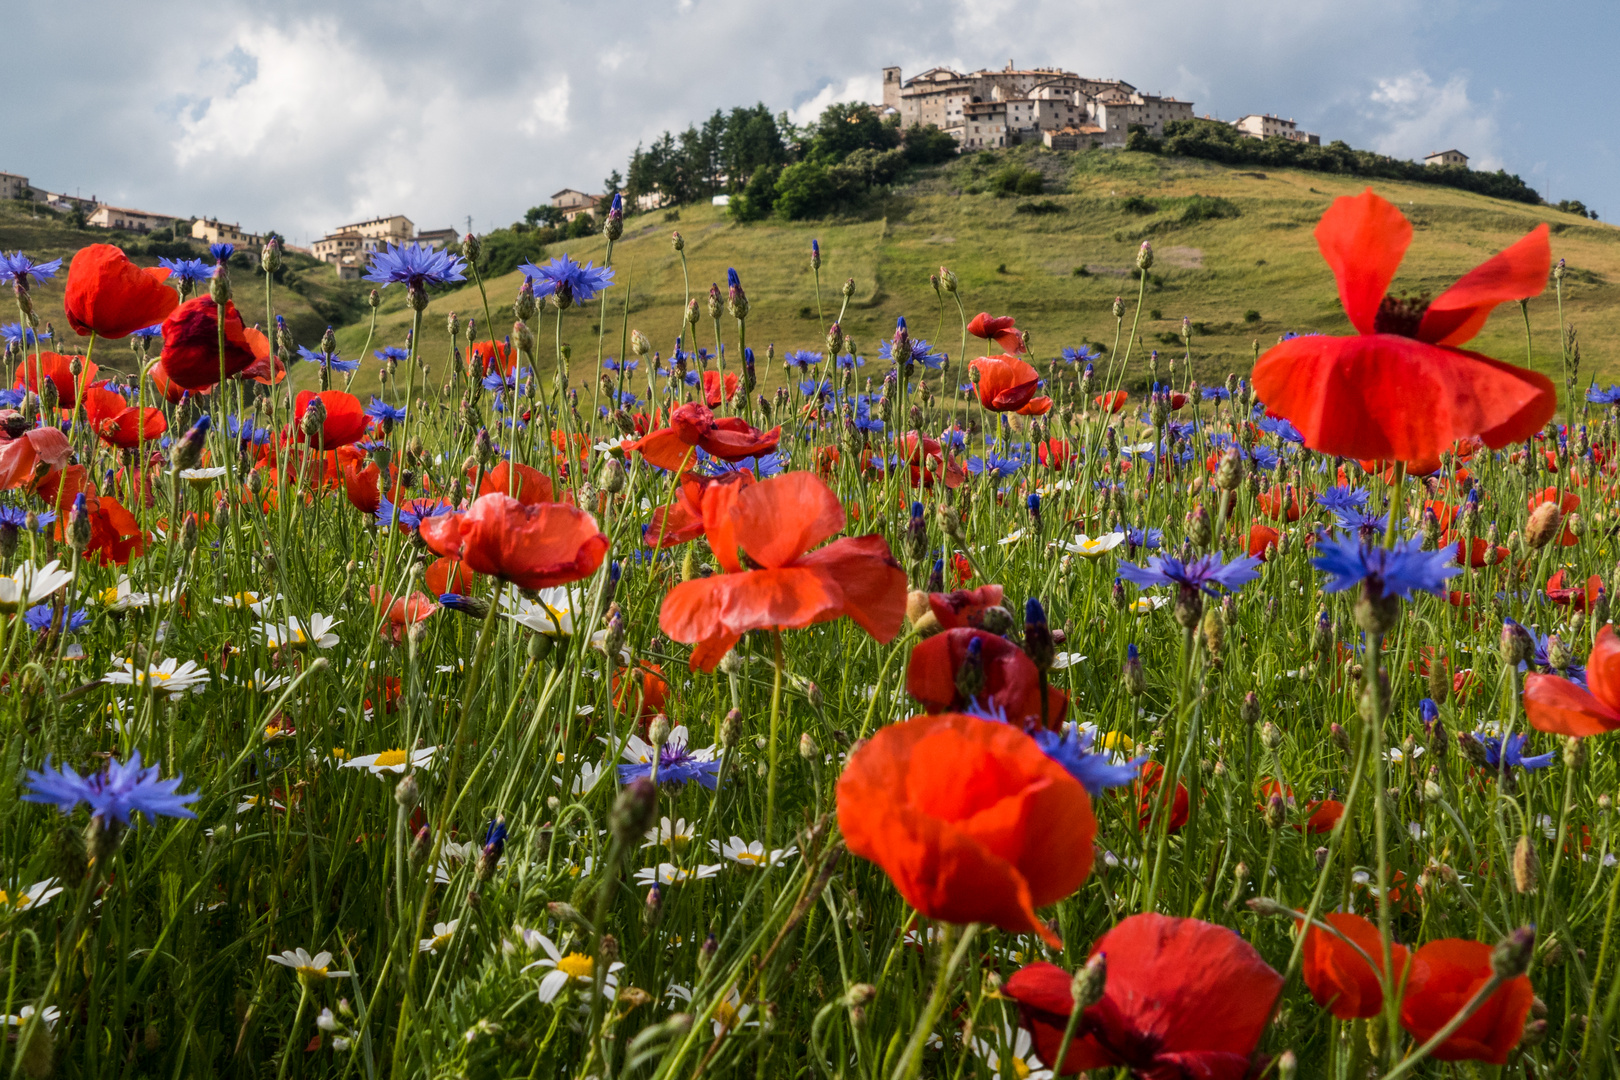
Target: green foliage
x=1576 y=207
x=926 y=144
x=1045 y=206
x=804 y=190
x=1135 y=204
x=507 y=249
x=756 y=201
x=845 y=127
x=1014 y=179
x=1206 y=208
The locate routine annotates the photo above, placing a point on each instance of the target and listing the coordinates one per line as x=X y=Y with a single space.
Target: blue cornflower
x=761 y=466
x=732 y=280
x=578 y=283
x=18 y=332
x=1280 y=427
x=1511 y=753
x=495 y=835
x=814 y=388
x=327 y=360
x=920 y=354
x=676 y=765
x=187 y=269
x=849 y=362
x=953 y=439
x=1216 y=393
x=415 y=266
x=1202 y=573
x=42 y=618
x=1539 y=654
x=610 y=364
x=221 y=252
x=802 y=359
x=1611 y=396
x=498 y=382
x=1335 y=499
x=864 y=420
x=236 y=430
x=1399 y=571
x=1095 y=771
x=381 y=410
x=16 y=266
x=992 y=462
x=112 y=794
x=1085 y=354
x=393 y=353
x=147 y=332
x=1152 y=539
x=1367 y=526
x=10 y=398
x=413 y=512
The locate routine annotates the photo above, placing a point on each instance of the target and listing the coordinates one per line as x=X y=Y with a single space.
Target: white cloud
x=1412 y=116
x=855 y=88
x=549 y=109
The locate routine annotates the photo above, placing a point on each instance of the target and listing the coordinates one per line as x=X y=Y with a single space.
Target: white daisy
x=298 y=635
x=28 y=585
x=1090 y=547
x=1396 y=756
x=576 y=968
x=50 y=1016
x=442 y=933
x=552 y=615
x=1012 y=537
x=169 y=677
x=753 y=854
x=1066 y=659
x=309 y=968
x=36 y=895
x=1146 y=604
x=522 y=938
x=123 y=597
x=390 y=761
x=677 y=835
x=201 y=478
x=1025 y=1064
x=728 y=1014
x=670 y=874
x=258 y=603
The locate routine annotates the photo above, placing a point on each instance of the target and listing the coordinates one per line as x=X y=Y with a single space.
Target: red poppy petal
x=1603 y=667
x=442 y=534
x=873 y=584
x=1518 y=273
x=664 y=448
x=781 y=518
x=524 y=483
x=691 y=610
x=1561 y=707
x=1363 y=239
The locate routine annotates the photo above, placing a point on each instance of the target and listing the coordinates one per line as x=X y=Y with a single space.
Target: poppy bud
x=1574 y=752
x=1516 y=646
x=1088 y=984
x=1271 y=736
x=314 y=419
x=1131 y=672
x=1038 y=643
x=1542 y=526
x=997 y=620
x=808 y=748
x=1525 y=866
x=658 y=731
x=950 y=520
x=188 y=534
x=1511 y=956
x=730 y=728
x=634 y=811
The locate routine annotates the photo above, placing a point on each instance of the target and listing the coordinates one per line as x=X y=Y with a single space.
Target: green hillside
x=1228 y=241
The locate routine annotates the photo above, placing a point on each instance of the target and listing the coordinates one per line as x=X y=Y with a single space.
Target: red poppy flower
x=401 y=614
x=1262 y=538
x=448 y=574
x=1570 y=503
x=524 y=483
x=1340 y=978
x=1400 y=388
x=118 y=423
x=964 y=607
x=1008 y=384
x=682 y=520
x=999 y=329
x=361 y=488
x=961 y=568
x=970 y=820
x=1565 y=707
x=729 y=439
x=1011 y=681
x=1148 y=798
x=172 y=392
x=111 y=297
x=776 y=522
x=645 y=691
x=1446 y=974
x=1183 y=999
x=1053 y=453
x=1324 y=814
x=115 y=535
x=1278 y=502
x=1475 y=554
x=56 y=368
x=532 y=547
x=489 y=356
x=712 y=388
x=266 y=369
x=1112 y=402
x=1574 y=596
x=18 y=457
x=346 y=419
x=191 y=354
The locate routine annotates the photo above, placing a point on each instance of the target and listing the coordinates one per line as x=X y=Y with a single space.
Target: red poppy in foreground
x=361 y=488
x=1340 y=978
x=346 y=419
x=19 y=456
x=1008 y=384
x=717 y=390
x=448 y=575
x=524 y=483
x=111 y=297
x=999 y=329
x=1009 y=681
x=1575 y=596
x=682 y=520
x=172 y=391
x=1323 y=815
x=1400 y=388
x=1183 y=999
x=115 y=535
x=693 y=425
x=776 y=522
x=191 y=353
x=970 y=820
x=1565 y=707
x=1262 y=538
x=532 y=547
x=57 y=369
x=118 y=423
x=1446 y=974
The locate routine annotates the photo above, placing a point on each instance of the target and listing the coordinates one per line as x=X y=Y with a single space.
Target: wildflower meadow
x=975 y=706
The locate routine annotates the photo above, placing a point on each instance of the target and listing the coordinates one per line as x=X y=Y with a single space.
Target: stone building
x=573 y=203
x=210 y=232
x=1447 y=157
x=1267 y=126
x=348 y=246
x=122 y=217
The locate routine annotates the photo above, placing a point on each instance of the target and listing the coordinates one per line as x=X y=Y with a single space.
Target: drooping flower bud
x=1131 y=672
x=1038 y=642
x=634 y=811
x=1511 y=956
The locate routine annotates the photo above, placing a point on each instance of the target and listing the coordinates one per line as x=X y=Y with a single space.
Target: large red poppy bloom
x=682 y=520
x=19 y=456
x=1565 y=707
x=448 y=575
x=1011 y=681
x=1184 y=999
x=970 y=820
x=1340 y=978
x=776 y=522
x=1401 y=389
x=1446 y=974
x=346 y=419
x=729 y=439
x=718 y=390
x=533 y=547
x=362 y=487
x=1262 y=538
x=1112 y=402
x=999 y=329
x=191 y=354
x=118 y=423
x=111 y=297
x=115 y=534
x=1008 y=384
x=524 y=483
x=171 y=391
x=55 y=368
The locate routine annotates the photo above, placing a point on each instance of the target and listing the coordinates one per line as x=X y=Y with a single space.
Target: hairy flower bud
x=1543 y=525
x=634 y=811
x=1526 y=867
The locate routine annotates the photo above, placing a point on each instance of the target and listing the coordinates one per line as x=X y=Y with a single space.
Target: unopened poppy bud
x=835 y=339
x=634 y=811
x=1516 y=646
x=1276 y=811
x=848 y=289
x=1199 y=528
x=1511 y=956
x=522 y=337
x=1526 y=866
x=1271 y=736
x=1088 y=984
x=1250 y=709
x=947 y=280
x=471 y=247
x=612 y=475
x=1542 y=526
x=1038 y=643
x=808 y=748
x=1574 y=752
x=1131 y=672
x=188 y=534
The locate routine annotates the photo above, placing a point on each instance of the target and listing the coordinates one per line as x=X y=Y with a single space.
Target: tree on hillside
x=845 y=127
x=751 y=141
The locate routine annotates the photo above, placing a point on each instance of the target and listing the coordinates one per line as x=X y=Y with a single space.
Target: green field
x=1211 y=271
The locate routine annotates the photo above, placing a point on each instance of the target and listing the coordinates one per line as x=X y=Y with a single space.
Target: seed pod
x=1542 y=526
x=1525 y=866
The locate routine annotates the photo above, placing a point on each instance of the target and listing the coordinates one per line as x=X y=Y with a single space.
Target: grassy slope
x=1213 y=271
x=48 y=236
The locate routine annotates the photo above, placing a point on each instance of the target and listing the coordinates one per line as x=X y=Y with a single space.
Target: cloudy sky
x=299 y=115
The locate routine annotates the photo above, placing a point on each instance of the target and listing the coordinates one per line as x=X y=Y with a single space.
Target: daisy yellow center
x=339 y=753
x=161 y=676
x=305 y=971
x=725 y=1014
x=577 y=966
x=297 y=637
x=389 y=758
x=441 y=940
x=247 y=598
x=1020 y=1068
x=109 y=595
x=22 y=900
x=1117 y=740
x=749 y=856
